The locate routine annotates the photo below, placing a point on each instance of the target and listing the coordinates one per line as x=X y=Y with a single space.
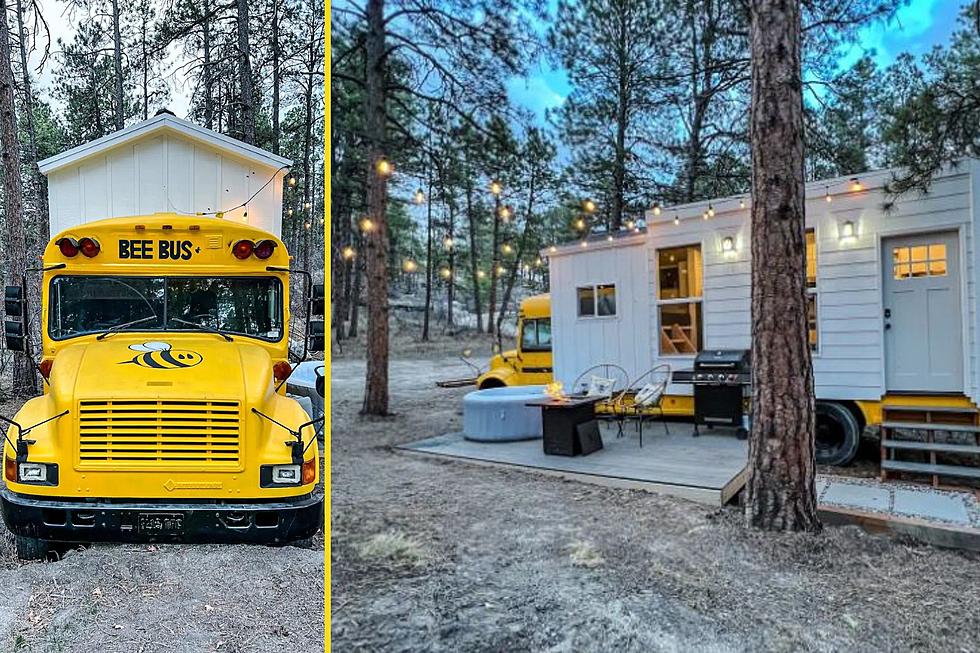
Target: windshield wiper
x=125 y=325
x=204 y=327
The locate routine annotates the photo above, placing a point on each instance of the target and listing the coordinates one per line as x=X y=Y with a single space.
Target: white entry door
x=922 y=320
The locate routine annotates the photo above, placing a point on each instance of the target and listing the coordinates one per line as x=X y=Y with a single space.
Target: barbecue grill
x=721 y=378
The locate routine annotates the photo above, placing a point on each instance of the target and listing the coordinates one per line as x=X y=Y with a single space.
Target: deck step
x=944 y=447
x=932 y=426
x=926 y=468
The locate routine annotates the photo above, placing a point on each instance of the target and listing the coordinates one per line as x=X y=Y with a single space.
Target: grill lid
x=739 y=360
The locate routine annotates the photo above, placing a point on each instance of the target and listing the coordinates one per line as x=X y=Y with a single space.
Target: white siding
x=624 y=339
x=850 y=361
x=164 y=172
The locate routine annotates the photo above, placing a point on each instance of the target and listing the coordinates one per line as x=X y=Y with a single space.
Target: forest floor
x=183 y=598
x=441 y=555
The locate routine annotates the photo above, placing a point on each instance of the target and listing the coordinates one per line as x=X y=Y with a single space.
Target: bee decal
x=161 y=356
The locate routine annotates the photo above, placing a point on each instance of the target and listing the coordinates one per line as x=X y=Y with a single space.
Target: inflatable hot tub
x=501 y=414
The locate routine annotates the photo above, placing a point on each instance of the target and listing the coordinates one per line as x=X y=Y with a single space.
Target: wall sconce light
x=711 y=211
x=847 y=230
x=728 y=245
x=856 y=184
x=677 y=219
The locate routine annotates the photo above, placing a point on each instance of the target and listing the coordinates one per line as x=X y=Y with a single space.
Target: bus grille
x=119 y=433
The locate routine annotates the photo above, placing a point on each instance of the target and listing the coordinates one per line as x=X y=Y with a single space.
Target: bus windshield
x=250 y=306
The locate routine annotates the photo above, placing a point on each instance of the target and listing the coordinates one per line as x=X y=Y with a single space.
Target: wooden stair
x=960 y=431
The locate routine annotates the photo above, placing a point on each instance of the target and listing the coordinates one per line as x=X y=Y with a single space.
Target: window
x=597 y=301
x=811 y=287
x=250 y=306
x=919 y=261
x=536 y=335
x=679 y=289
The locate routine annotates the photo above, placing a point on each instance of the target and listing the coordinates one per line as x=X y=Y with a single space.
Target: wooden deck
x=709 y=469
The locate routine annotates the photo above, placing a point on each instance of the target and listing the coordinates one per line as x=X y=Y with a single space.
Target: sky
x=916 y=28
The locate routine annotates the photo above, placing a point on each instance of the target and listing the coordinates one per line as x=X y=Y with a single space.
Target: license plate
x=161 y=523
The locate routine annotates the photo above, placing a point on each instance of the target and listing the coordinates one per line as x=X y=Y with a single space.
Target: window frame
x=699 y=299
x=595 y=300
x=815 y=290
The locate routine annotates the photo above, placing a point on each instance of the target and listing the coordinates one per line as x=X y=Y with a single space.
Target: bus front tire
x=32 y=548
x=838 y=434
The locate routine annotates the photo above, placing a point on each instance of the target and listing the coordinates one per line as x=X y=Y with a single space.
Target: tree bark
x=428 y=264
x=376 y=239
x=117 y=68
x=40 y=181
x=622 y=119
x=474 y=258
x=276 y=55
x=24 y=376
x=206 y=68
x=245 y=75
x=780 y=485
x=355 y=296
x=495 y=264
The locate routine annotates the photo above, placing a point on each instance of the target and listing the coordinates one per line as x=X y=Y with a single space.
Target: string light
x=589 y=206
x=506 y=248
x=630 y=224
x=500 y=270
x=447 y=242
x=445 y=273
x=711 y=211
x=307 y=205
x=552 y=249
x=289 y=212
x=367 y=225
x=656 y=208
x=705 y=215
x=409 y=266
x=537 y=262
x=505 y=213
x=580 y=224
x=677 y=219
x=347 y=253
x=856 y=184
x=480 y=274
x=307 y=225
x=585 y=243
x=496 y=188
x=827 y=196
x=291 y=181
x=384 y=167
x=741 y=202
x=419 y=196
x=609 y=238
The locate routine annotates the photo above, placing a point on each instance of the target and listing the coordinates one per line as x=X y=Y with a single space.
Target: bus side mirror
x=13 y=301
x=14 y=334
x=314 y=336
x=317 y=301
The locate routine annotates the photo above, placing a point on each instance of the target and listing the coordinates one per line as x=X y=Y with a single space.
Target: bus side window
x=544 y=335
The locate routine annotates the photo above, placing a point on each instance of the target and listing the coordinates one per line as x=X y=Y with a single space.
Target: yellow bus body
x=169 y=427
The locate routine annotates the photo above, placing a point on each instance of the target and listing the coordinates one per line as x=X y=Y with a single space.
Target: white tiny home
x=892 y=293
x=165 y=165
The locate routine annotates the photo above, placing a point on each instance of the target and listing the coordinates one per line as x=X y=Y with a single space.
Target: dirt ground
x=433 y=555
x=183 y=598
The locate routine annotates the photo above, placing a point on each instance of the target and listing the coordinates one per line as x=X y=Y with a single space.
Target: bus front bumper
x=65 y=520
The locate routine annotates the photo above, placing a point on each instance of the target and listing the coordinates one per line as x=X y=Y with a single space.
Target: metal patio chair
x=643 y=399
x=585 y=385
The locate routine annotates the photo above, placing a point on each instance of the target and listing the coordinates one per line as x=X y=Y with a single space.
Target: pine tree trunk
x=40 y=181
x=474 y=259
x=117 y=68
x=24 y=376
x=428 y=266
x=206 y=68
x=355 y=296
x=622 y=118
x=780 y=484
x=376 y=240
x=495 y=264
x=521 y=246
x=245 y=75
x=276 y=55
x=451 y=288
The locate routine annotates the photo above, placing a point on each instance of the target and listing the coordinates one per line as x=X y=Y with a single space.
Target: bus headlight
x=276 y=475
x=37 y=473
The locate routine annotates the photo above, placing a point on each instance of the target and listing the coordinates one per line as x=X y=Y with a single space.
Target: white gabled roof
x=156 y=124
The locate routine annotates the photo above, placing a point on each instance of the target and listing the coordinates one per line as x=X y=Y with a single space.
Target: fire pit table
x=569 y=425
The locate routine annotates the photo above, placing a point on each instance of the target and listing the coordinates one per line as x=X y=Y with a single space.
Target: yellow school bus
x=530 y=362
x=164 y=353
